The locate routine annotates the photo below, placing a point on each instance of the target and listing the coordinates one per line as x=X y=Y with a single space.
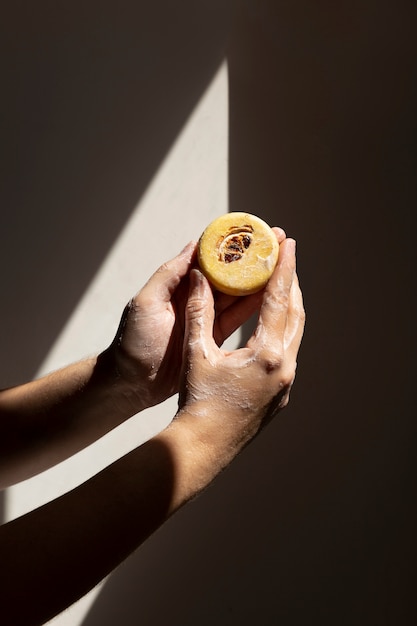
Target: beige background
x=124 y=133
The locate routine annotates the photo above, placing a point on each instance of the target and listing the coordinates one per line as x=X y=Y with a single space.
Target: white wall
x=188 y=191
x=115 y=155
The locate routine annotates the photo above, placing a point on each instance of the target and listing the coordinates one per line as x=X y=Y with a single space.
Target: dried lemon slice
x=237 y=253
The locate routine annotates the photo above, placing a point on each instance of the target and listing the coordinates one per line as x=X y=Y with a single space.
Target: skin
x=56 y=553
x=253 y=383
x=46 y=421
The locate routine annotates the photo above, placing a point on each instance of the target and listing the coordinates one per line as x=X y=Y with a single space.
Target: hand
x=147 y=349
x=238 y=391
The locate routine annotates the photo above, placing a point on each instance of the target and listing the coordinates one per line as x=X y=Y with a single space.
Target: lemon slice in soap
x=237 y=253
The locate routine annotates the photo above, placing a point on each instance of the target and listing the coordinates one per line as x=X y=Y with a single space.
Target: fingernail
x=280 y=232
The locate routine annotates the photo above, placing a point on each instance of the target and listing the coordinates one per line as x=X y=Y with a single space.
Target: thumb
x=168 y=276
x=199 y=315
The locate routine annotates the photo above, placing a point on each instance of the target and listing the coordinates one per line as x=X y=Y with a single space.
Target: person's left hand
x=147 y=349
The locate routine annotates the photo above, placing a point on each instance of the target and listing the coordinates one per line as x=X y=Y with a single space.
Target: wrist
x=125 y=395
x=193 y=464
x=202 y=443
x=224 y=426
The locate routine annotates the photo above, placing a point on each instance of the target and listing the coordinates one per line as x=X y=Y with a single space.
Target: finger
x=199 y=316
x=295 y=320
x=280 y=233
x=274 y=309
x=292 y=339
x=168 y=276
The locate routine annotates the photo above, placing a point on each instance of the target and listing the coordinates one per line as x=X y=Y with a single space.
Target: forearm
x=47 y=420
x=57 y=553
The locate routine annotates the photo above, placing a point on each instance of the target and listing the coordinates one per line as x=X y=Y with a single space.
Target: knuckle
x=277 y=299
x=195 y=304
x=271 y=361
x=284 y=373
x=300 y=313
x=163 y=268
x=195 y=308
x=283 y=396
x=287 y=380
x=137 y=306
x=284 y=401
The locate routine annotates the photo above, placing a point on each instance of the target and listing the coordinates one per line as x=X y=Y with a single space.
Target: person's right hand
x=147 y=350
x=228 y=396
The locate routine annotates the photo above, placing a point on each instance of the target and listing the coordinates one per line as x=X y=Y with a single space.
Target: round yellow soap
x=237 y=253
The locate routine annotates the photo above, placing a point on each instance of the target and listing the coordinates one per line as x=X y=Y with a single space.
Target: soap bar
x=237 y=253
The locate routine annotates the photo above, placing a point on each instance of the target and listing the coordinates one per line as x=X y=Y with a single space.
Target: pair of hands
x=170 y=335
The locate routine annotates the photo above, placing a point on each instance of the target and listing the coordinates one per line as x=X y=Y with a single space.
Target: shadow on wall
x=69 y=551
x=93 y=95
x=315 y=522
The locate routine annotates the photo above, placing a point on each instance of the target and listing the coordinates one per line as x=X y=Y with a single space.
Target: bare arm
x=46 y=421
x=55 y=554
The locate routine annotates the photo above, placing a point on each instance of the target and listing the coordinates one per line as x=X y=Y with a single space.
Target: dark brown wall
x=315 y=522
x=323 y=142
